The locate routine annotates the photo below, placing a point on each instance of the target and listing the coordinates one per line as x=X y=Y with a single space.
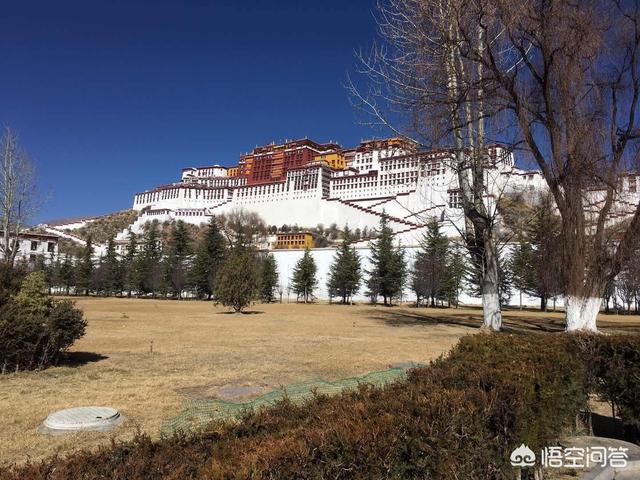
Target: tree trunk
x=581 y=313
x=492 y=317
x=520 y=299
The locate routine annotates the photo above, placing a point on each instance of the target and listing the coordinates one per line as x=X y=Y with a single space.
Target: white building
x=382 y=178
x=32 y=245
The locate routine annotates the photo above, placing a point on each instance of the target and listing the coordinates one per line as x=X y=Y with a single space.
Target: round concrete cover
x=82 y=418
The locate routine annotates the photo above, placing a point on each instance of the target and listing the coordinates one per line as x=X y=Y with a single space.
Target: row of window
x=51 y=246
x=290 y=242
x=399 y=164
x=400 y=175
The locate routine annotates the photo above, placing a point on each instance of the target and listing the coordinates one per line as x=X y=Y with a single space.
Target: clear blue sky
x=114 y=97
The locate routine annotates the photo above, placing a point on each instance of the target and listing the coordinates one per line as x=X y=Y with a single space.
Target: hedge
x=458 y=418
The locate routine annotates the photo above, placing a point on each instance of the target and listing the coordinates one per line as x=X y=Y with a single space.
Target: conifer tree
x=67 y=277
x=523 y=268
x=112 y=271
x=474 y=280
x=147 y=268
x=304 y=280
x=129 y=264
x=176 y=260
x=269 y=278
x=388 y=274
x=345 y=273
x=84 y=268
x=208 y=260
x=55 y=265
x=430 y=264
x=544 y=236
x=98 y=277
x=534 y=261
x=238 y=280
x=455 y=272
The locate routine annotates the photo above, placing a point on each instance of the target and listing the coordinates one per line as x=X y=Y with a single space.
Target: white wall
x=286 y=260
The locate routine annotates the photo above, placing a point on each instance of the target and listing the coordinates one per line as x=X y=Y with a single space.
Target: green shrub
x=10 y=280
x=35 y=329
x=458 y=418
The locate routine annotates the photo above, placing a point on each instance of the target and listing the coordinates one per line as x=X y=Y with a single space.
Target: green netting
x=197 y=413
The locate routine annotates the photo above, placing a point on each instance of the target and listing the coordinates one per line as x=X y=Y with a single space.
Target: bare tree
x=567 y=73
x=239 y=224
x=422 y=85
x=18 y=199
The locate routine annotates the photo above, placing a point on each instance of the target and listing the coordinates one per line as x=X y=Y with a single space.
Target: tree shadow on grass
x=244 y=312
x=514 y=321
x=76 y=359
x=520 y=324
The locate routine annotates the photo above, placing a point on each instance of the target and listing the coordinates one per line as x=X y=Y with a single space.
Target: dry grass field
x=199 y=349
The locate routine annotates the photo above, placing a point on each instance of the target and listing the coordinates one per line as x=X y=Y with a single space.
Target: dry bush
x=459 y=418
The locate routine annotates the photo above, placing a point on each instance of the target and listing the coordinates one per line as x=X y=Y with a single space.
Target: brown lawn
x=199 y=348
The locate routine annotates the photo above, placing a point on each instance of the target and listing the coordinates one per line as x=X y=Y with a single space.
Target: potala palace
x=307 y=183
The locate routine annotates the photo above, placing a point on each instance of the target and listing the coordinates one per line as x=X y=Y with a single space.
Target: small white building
x=32 y=245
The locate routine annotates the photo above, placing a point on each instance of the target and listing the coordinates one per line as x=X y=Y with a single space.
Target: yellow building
x=334 y=160
x=233 y=171
x=294 y=240
x=246 y=165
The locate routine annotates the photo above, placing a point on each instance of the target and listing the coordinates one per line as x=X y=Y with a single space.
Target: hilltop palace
x=306 y=183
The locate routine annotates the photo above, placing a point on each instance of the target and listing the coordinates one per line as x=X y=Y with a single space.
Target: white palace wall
x=286 y=260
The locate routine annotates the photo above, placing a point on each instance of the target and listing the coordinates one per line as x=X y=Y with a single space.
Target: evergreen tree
x=504 y=281
x=84 y=268
x=521 y=263
x=304 y=281
x=430 y=265
x=534 y=261
x=98 y=277
x=208 y=260
x=55 y=266
x=67 y=274
x=147 y=268
x=388 y=274
x=419 y=279
x=129 y=263
x=112 y=272
x=238 y=279
x=176 y=260
x=544 y=235
x=455 y=272
x=345 y=273
x=269 y=278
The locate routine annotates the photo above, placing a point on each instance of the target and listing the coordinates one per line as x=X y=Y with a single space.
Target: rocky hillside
x=102 y=228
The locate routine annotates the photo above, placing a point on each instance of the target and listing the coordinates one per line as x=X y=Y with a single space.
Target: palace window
x=455 y=199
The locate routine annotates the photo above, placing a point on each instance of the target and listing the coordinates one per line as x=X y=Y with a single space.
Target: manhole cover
x=81 y=418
